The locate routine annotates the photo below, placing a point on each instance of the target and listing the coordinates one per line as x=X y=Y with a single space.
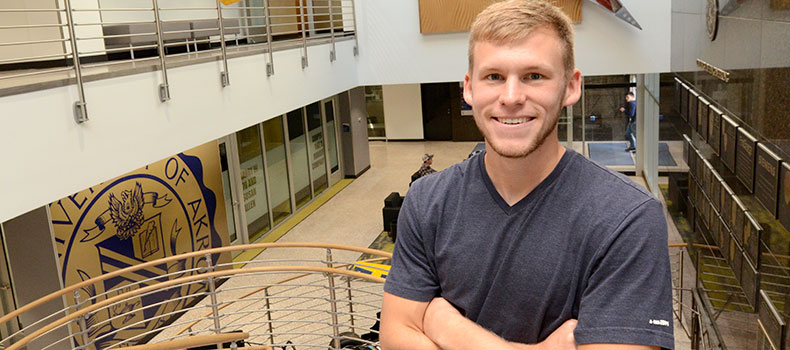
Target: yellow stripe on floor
x=293 y=220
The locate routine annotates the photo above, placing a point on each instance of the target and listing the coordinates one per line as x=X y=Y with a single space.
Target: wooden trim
x=192 y=341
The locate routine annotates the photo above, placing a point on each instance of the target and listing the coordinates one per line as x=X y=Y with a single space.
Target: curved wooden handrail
x=192 y=341
x=73 y=287
x=289 y=279
x=72 y=316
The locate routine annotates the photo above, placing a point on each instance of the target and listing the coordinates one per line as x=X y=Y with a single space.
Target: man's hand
x=561 y=338
x=622 y=109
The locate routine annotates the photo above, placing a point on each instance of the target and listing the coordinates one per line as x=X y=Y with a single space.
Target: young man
x=629 y=108
x=527 y=245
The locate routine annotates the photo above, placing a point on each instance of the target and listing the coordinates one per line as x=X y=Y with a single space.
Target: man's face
x=518 y=90
x=629 y=98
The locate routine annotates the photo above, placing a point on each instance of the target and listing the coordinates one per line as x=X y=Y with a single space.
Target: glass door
x=333 y=156
x=315 y=147
x=230 y=188
x=300 y=164
x=277 y=169
x=253 y=182
x=7 y=301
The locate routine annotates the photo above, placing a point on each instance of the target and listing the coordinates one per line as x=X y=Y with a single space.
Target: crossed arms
x=413 y=325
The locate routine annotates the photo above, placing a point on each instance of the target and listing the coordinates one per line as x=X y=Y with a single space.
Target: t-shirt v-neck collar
x=535 y=193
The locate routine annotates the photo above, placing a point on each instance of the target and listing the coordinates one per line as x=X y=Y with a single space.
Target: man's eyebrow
x=528 y=68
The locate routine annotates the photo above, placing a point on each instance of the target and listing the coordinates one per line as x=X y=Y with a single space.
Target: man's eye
x=535 y=76
x=494 y=76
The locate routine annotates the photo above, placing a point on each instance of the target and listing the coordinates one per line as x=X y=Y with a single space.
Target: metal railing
x=72 y=42
x=303 y=295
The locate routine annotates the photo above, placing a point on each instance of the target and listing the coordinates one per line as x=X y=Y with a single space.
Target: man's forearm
x=461 y=333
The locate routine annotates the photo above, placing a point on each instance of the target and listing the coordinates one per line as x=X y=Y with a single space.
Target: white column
x=647 y=97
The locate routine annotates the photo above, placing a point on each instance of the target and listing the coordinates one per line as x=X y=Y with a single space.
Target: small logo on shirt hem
x=664 y=323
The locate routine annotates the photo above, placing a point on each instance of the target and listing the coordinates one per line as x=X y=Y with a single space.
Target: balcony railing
x=72 y=42
x=302 y=295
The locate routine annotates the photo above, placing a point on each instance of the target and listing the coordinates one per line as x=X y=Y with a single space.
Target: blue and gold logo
x=165 y=209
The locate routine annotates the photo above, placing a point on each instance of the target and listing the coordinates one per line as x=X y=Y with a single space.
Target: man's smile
x=513 y=120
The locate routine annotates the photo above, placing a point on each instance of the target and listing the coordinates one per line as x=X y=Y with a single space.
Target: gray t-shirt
x=586 y=243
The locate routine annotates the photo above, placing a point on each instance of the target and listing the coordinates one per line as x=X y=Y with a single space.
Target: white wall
x=394 y=51
x=48 y=156
x=403 y=112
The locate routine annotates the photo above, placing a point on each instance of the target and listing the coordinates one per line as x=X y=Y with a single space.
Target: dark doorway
x=437 y=121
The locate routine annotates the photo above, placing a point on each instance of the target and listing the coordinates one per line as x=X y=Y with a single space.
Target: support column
x=647 y=101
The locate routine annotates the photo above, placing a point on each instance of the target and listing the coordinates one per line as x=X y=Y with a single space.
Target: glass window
x=331 y=135
x=277 y=169
x=252 y=181
x=229 y=208
x=299 y=163
x=315 y=147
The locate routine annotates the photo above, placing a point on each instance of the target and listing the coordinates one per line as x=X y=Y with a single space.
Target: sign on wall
x=171 y=207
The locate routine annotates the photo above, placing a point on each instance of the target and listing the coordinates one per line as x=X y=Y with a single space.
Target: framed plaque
x=723 y=235
x=715 y=196
x=745 y=159
x=714 y=129
x=769 y=321
x=729 y=132
x=689 y=153
x=684 y=102
x=752 y=234
x=725 y=198
x=708 y=178
x=699 y=165
x=678 y=87
x=739 y=218
x=713 y=219
x=692 y=108
x=750 y=281
x=702 y=117
x=783 y=210
x=736 y=259
x=766 y=178
x=724 y=247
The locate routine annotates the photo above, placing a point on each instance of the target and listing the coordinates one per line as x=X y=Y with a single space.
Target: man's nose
x=514 y=93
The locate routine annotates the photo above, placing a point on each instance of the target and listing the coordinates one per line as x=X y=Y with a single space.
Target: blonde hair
x=510 y=21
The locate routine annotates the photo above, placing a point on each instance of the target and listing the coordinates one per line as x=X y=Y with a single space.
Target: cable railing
x=74 y=41
x=302 y=295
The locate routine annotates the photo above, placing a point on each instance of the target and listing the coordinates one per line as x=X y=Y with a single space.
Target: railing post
x=212 y=292
x=350 y=304
x=80 y=108
x=680 y=290
x=268 y=17
x=356 y=38
x=82 y=323
x=302 y=10
x=332 y=56
x=333 y=302
x=695 y=321
x=223 y=76
x=269 y=315
x=164 y=88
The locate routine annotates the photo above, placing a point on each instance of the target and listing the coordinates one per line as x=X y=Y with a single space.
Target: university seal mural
x=168 y=208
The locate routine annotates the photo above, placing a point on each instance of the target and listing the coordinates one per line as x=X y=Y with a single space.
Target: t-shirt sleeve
x=412 y=275
x=628 y=295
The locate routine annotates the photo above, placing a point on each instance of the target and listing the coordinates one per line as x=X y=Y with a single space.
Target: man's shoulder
x=605 y=185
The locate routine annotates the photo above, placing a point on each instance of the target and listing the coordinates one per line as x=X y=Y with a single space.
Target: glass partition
x=277 y=169
x=315 y=147
x=229 y=207
x=331 y=139
x=256 y=206
x=299 y=162
x=374 y=105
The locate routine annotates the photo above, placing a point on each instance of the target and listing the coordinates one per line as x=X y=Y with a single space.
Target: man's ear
x=467 y=89
x=573 y=89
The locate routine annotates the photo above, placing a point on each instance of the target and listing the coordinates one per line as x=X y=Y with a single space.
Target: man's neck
x=515 y=178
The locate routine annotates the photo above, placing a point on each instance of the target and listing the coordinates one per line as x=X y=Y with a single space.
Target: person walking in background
x=629 y=108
